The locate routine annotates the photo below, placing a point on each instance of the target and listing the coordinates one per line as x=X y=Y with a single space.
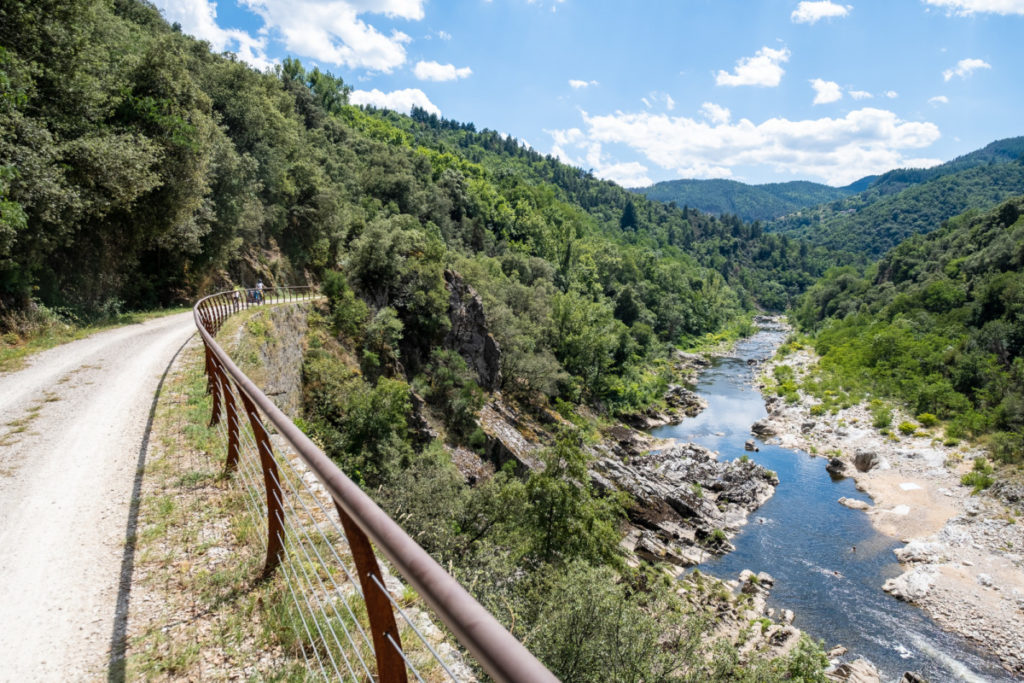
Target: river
x=828 y=561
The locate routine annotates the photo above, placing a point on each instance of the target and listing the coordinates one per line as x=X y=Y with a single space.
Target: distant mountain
x=906 y=202
x=749 y=202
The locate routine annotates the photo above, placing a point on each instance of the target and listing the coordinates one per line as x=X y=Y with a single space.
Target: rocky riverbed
x=964 y=555
x=685 y=503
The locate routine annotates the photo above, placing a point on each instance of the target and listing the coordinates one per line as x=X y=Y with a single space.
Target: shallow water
x=806 y=540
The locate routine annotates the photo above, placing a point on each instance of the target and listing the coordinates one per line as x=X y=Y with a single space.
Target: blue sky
x=753 y=90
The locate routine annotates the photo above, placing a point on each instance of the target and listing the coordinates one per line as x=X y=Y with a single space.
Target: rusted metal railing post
x=216 y=377
x=275 y=511
x=231 y=408
x=390 y=665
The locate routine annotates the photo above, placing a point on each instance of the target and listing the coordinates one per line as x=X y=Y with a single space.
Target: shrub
x=927 y=420
x=977 y=480
x=907 y=428
x=881 y=415
x=979 y=477
x=818 y=409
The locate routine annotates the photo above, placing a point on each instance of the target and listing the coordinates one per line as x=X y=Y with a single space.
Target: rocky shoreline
x=685 y=503
x=964 y=555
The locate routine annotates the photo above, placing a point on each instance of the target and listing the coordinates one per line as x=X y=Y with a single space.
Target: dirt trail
x=74 y=426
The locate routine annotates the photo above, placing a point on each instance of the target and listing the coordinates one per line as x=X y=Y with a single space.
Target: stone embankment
x=964 y=555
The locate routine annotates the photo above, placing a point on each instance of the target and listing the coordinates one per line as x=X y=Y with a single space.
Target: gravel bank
x=964 y=558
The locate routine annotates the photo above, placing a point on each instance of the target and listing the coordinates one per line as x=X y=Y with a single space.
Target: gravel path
x=74 y=428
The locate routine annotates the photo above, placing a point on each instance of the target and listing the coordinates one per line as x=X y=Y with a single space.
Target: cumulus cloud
x=398 y=100
x=589 y=155
x=763 y=69
x=837 y=150
x=891 y=94
x=938 y=99
x=433 y=71
x=965 y=67
x=332 y=32
x=576 y=84
x=861 y=95
x=199 y=18
x=826 y=91
x=968 y=7
x=811 y=12
x=715 y=113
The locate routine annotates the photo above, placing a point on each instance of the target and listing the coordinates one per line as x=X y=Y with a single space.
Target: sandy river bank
x=963 y=560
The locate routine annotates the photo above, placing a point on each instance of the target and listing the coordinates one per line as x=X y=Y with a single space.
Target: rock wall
x=469 y=334
x=281 y=353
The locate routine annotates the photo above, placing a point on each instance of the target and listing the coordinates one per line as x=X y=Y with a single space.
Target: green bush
x=881 y=415
x=977 y=480
x=980 y=476
x=927 y=420
x=907 y=428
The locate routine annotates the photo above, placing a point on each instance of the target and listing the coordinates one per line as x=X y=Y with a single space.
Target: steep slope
x=749 y=202
x=905 y=202
x=938 y=324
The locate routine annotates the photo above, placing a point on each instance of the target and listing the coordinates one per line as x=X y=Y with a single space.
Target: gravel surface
x=74 y=427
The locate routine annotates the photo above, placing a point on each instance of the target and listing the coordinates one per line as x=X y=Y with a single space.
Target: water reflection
x=806 y=540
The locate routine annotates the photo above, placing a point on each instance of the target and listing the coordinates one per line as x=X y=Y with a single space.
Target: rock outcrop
x=857 y=671
x=469 y=334
x=685 y=503
x=836 y=467
x=764 y=428
x=505 y=441
x=866 y=460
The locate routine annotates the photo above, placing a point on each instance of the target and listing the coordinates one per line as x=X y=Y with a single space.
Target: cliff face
x=469 y=334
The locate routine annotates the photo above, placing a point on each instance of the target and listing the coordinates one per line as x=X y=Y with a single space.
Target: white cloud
x=826 y=91
x=762 y=69
x=628 y=174
x=715 y=113
x=811 y=12
x=837 y=150
x=398 y=100
x=968 y=7
x=891 y=94
x=444 y=35
x=938 y=99
x=199 y=18
x=965 y=67
x=670 y=104
x=647 y=103
x=861 y=95
x=331 y=31
x=433 y=71
x=576 y=84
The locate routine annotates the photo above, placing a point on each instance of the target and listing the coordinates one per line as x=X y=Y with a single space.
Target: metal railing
x=320 y=532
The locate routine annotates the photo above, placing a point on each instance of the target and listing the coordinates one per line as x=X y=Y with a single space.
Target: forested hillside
x=749 y=202
x=907 y=202
x=937 y=324
x=139 y=169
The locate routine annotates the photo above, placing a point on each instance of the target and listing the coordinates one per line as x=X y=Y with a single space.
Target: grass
x=199 y=607
x=16 y=348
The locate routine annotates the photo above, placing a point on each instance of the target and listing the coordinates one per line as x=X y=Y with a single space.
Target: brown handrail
x=497 y=651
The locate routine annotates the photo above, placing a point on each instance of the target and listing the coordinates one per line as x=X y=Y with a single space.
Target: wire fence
x=320 y=526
